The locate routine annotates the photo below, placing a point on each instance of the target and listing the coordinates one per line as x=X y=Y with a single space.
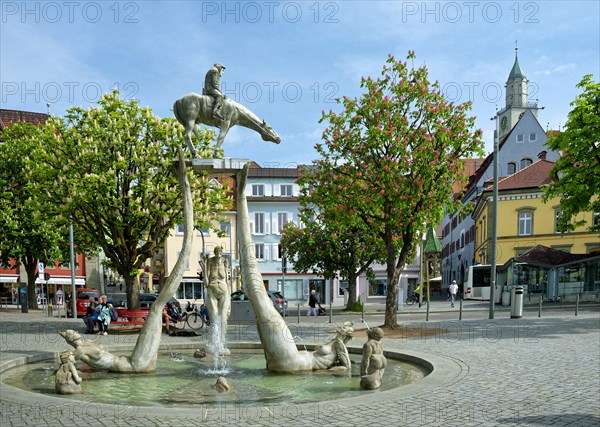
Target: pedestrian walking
x=453 y=291
x=312 y=304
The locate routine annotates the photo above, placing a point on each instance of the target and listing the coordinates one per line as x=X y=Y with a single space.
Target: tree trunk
x=133 y=292
x=30 y=266
x=391 y=299
x=351 y=290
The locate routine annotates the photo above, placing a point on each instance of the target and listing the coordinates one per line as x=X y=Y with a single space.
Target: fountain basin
x=181 y=379
x=442 y=371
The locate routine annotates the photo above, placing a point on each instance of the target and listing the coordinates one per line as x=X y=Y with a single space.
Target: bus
x=477 y=282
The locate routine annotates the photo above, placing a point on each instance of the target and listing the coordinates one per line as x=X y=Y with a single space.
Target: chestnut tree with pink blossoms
x=388 y=163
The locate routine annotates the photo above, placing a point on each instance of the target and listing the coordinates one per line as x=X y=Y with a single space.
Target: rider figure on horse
x=212 y=87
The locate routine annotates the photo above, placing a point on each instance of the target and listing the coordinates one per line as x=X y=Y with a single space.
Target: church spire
x=516 y=72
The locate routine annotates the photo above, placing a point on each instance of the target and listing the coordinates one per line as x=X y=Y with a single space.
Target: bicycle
x=414 y=298
x=196 y=317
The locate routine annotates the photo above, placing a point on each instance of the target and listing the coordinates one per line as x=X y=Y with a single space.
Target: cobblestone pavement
x=529 y=371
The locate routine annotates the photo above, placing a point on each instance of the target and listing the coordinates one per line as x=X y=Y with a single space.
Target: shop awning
x=8 y=279
x=61 y=281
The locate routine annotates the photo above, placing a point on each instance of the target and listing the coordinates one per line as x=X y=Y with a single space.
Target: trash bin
x=516 y=303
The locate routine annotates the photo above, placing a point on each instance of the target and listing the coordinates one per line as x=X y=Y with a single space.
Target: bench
x=126 y=317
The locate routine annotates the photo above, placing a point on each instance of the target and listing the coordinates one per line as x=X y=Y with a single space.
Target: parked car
x=146 y=300
x=85 y=296
x=279 y=302
x=119 y=299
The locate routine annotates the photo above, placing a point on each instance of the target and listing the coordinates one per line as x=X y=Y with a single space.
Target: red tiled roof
x=533 y=176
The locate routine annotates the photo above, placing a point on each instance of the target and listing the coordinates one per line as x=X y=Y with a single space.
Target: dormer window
x=511 y=168
x=525 y=163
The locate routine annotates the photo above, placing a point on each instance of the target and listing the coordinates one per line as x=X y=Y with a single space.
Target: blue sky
x=288 y=61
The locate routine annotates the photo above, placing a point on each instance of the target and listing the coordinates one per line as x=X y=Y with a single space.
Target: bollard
x=460 y=309
x=363 y=312
x=576 y=304
x=427 y=315
x=540 y=308
x=330 y=311
x=49 y=310
x=298 y=312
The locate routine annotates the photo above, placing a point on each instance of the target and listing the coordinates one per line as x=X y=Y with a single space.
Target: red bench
x=130 y=317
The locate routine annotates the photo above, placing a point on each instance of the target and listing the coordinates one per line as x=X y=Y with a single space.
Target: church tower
x=517 y=99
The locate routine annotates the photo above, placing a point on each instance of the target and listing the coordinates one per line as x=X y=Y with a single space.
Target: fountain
x=281 y=353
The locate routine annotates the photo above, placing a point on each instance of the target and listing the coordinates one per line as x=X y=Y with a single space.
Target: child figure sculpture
x=67 y=379
x=373 y=361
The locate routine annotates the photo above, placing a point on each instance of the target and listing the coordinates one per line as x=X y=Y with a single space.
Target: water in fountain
x=217 y=347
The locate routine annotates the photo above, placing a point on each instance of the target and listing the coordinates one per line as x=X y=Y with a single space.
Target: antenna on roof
x=48 y=106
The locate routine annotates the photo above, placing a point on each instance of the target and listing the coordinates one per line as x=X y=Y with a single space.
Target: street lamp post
x=74 y=293
x=494 y=223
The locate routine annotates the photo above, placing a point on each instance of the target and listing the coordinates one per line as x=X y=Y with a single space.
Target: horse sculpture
x=193 y=109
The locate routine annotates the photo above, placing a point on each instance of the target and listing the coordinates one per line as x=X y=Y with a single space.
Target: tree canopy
x=30 y=230
x=109 y=170
x=578 y=169
x=389 y=159
x=327 y=247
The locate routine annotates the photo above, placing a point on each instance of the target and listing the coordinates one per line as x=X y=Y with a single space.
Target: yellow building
x=524 y=220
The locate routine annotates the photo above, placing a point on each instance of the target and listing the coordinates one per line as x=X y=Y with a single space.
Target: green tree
x=390 y=158
x=30 y=231
x=327 y=247
x=578 y=169
x=110 y=170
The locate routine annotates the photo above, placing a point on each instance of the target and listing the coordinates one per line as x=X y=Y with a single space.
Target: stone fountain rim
x=443 y=372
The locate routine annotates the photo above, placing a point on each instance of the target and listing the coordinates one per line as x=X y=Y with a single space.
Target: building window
x=259 y=251
x=179 y=229
x=204 y=231
x=525 y=223
x=293 y=289
x=532 y=136
x=259 y=223
x=378 y=288
x=343 y=287
x=557 y=214
x=226 y=228
x=258 y=190
x=596 y=219
x=286 y=190
x=521 y=250
x=520 y=137
x=511 y=168
x=190 y=291
x=525 y=163
x=282 y=220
